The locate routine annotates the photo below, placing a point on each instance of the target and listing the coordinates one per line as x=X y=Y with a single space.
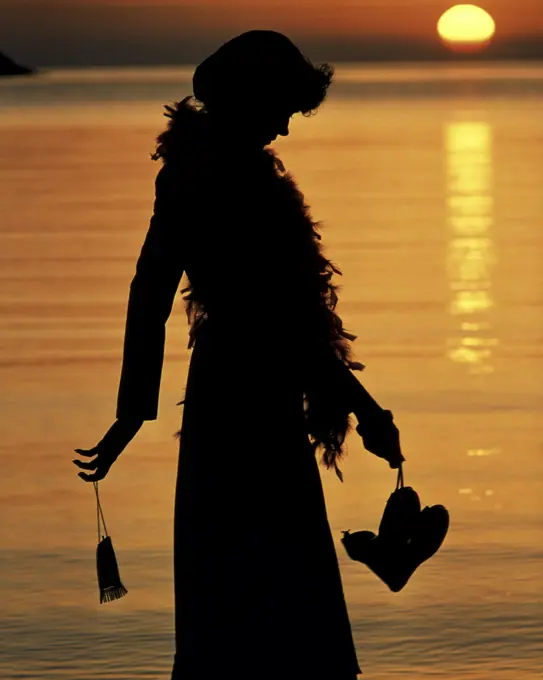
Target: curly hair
x=312 y=88
x=264 y=67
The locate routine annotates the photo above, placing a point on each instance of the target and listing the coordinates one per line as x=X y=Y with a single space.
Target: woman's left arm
x=152 y=292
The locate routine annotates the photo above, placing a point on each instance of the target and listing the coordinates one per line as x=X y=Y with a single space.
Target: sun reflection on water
x=470 y=258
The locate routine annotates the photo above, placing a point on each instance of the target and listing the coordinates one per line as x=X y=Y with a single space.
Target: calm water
x=428 y=181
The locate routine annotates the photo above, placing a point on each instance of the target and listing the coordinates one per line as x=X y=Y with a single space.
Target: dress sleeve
x=349 y=393
x=159 y=270
x=360 y=402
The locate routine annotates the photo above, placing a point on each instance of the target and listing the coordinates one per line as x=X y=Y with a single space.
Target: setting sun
x=466 y=27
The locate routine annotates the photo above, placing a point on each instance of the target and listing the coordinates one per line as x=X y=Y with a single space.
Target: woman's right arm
x=346 y=387
x=375 y=424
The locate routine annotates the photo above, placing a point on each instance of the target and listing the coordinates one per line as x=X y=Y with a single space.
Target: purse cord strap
x=99 y=512
x=399 y=481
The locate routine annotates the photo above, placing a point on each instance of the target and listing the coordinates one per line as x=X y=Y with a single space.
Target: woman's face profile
x=258 y=124
x=268 y=122
x=275 y=124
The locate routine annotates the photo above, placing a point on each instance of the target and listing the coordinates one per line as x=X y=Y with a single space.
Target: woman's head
x=249 y=89
x=255 y=82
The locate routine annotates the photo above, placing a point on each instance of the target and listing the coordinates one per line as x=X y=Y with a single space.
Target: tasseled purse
x=109 y=580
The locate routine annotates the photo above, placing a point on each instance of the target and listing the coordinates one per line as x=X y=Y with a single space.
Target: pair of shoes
x=408 y=536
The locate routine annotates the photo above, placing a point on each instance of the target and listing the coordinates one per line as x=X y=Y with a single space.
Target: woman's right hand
x=382 y=438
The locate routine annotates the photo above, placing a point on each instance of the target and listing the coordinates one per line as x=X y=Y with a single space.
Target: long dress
x=258 y=591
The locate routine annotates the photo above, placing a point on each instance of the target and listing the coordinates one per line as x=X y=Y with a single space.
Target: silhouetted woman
x=258 y=592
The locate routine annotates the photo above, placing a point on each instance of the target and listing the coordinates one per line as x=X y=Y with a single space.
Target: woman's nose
x=283 y=129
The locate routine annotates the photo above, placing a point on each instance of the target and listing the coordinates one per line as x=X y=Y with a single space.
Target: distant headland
x=9 y=68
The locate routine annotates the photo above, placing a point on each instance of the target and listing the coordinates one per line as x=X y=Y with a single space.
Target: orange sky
x=390 y=17
x=104 y=31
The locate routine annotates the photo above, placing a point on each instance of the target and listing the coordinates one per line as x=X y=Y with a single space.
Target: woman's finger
x=91 y=465
x=94 y=477
x=86 y=452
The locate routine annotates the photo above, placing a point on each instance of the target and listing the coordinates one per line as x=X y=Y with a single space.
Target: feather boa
x=316 y=330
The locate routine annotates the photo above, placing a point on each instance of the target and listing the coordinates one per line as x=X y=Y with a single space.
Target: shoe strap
x=399 y=481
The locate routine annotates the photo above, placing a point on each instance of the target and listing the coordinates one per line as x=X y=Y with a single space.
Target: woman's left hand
x=104 y=459
x=106 y=452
